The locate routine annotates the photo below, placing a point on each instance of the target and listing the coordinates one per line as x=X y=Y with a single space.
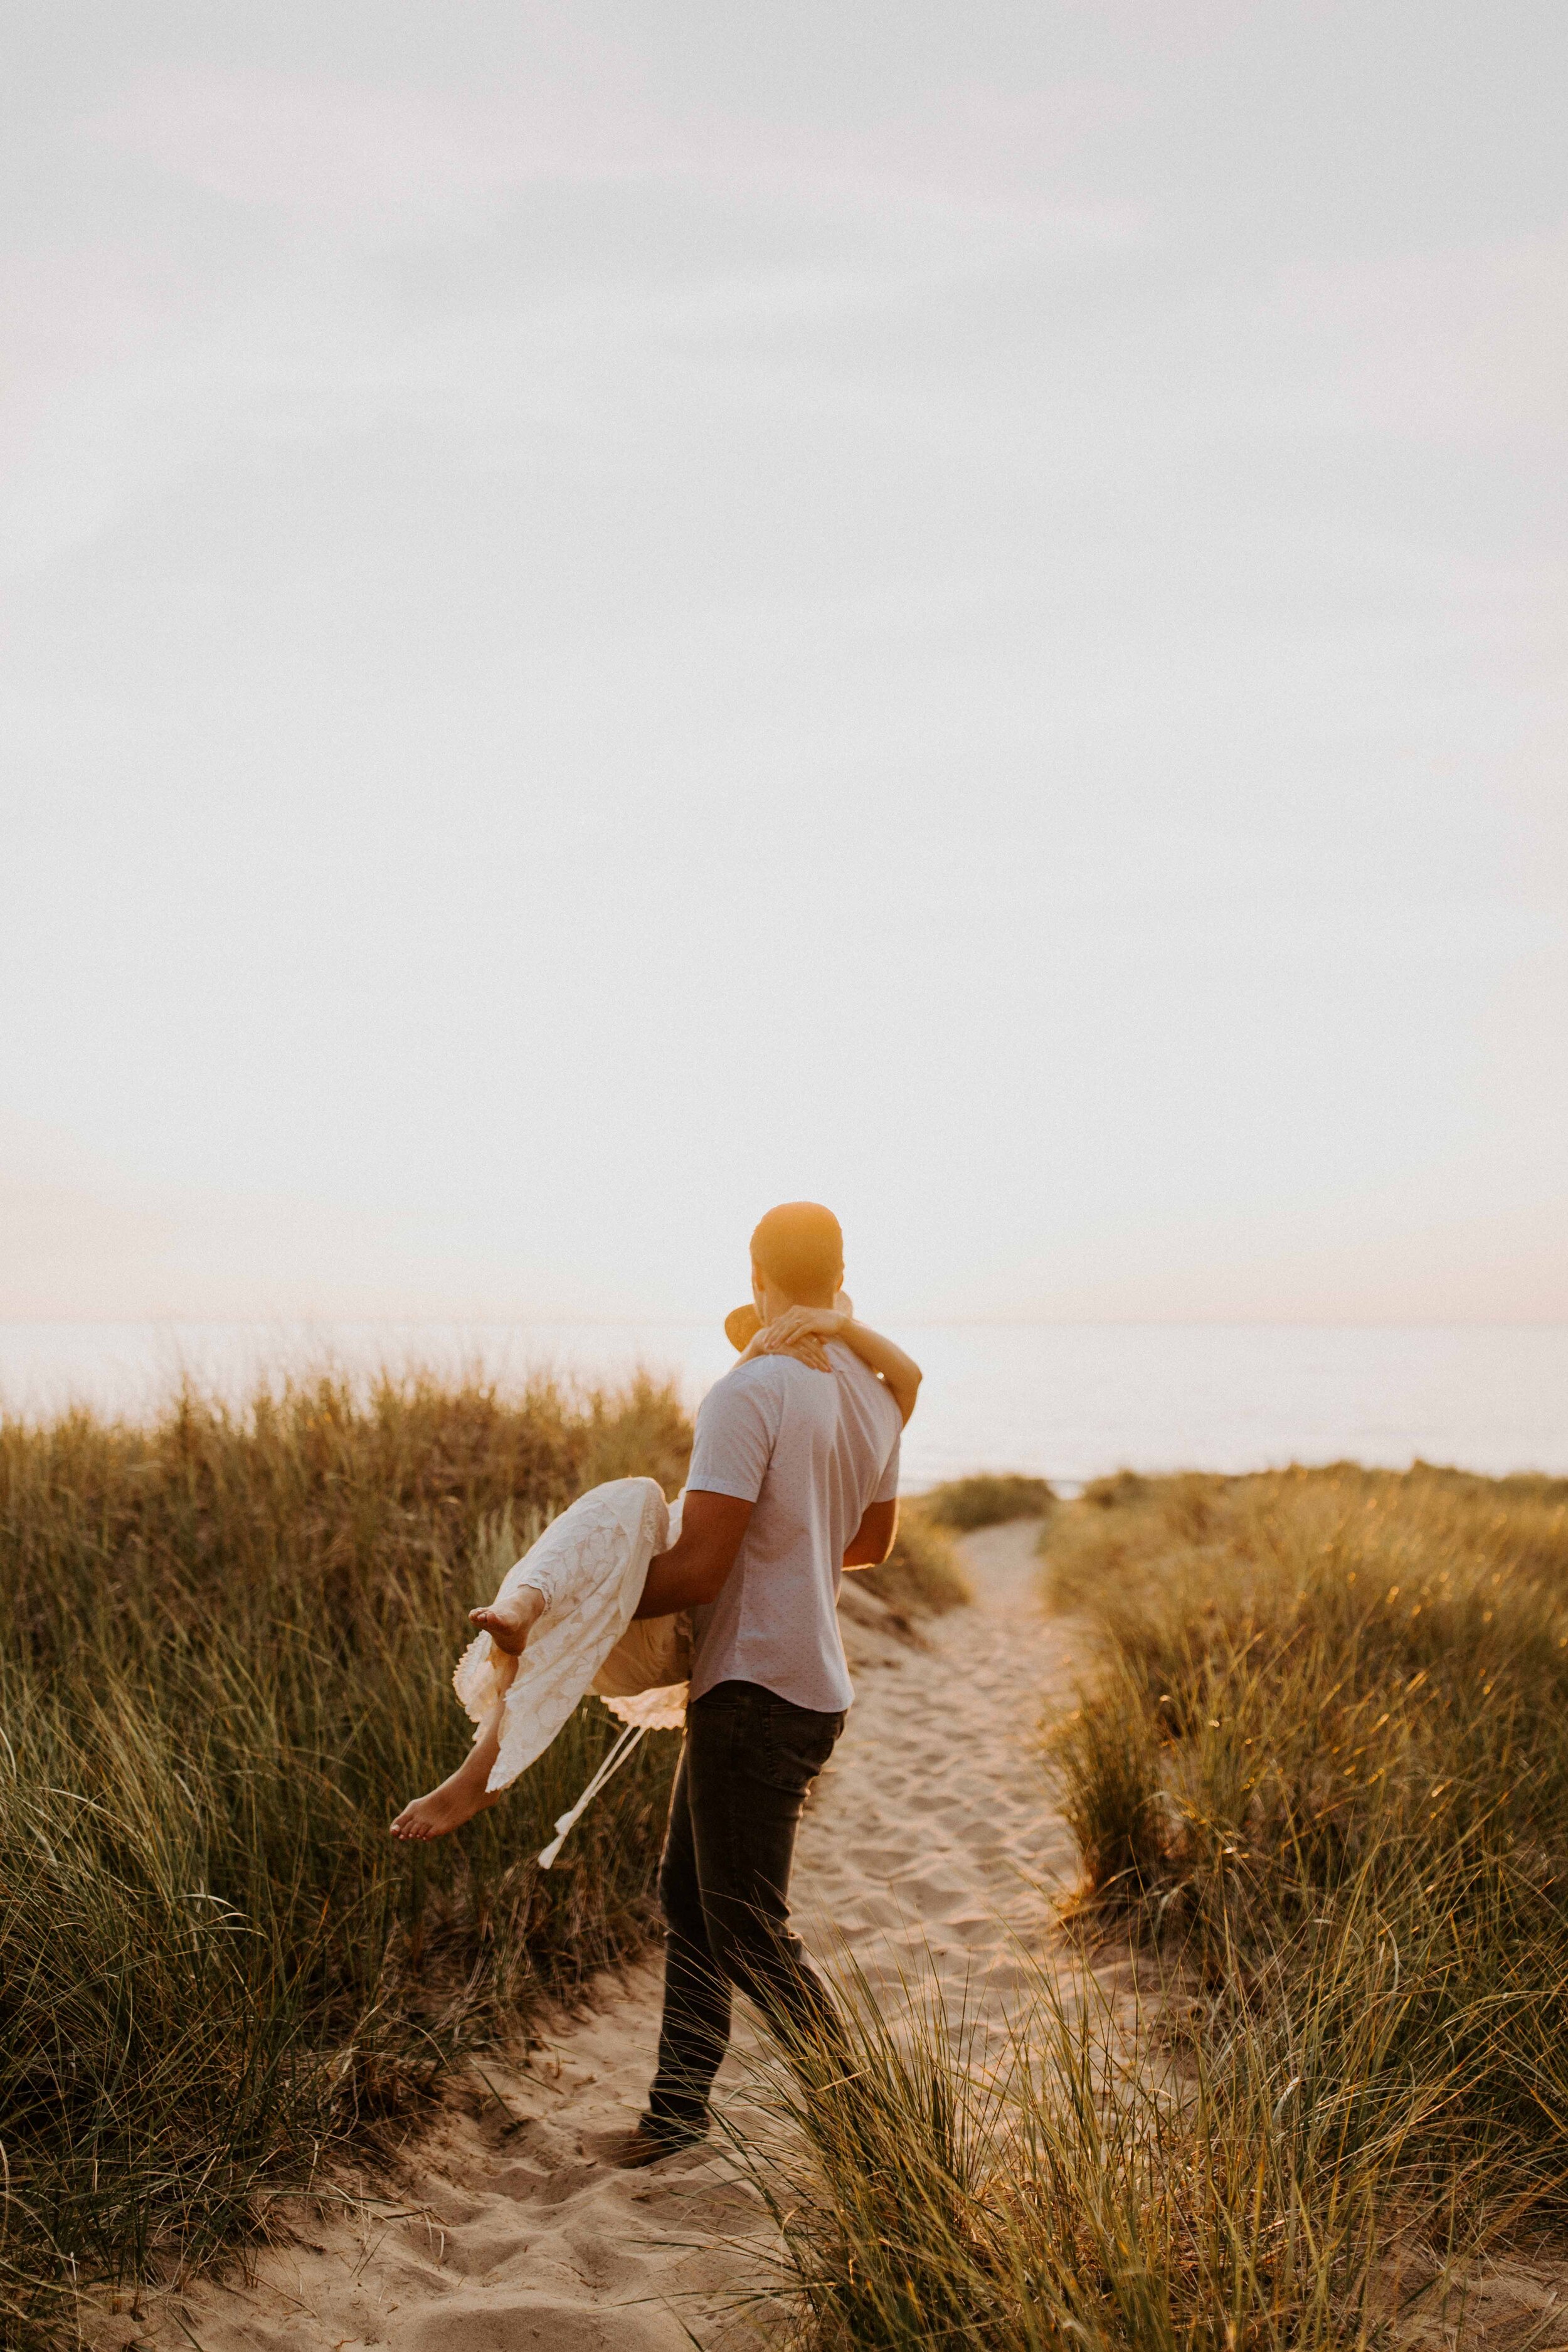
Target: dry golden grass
x=988 y=1499
x=1320 y=1775
x=225 y=1650
x=1326 y=1764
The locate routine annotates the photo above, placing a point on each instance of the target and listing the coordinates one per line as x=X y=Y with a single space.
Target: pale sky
x=618 y=613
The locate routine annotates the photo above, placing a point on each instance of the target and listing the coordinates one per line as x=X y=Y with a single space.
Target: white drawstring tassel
x=611 y=1763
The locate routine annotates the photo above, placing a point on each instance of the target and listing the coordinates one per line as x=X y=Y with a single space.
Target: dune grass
x=226 y=1649
x=988 y=1499
x=1329 y=1755
x=1089 y=2195
x=1320 y=1779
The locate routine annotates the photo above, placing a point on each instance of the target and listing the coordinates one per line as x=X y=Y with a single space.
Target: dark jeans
x=749 y=1760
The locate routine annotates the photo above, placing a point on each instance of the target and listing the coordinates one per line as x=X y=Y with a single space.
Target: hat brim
x=741 y=1325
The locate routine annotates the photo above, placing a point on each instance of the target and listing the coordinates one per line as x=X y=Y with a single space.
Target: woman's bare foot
x=510 y=1623
x=445 y=1807
x=463 y=1793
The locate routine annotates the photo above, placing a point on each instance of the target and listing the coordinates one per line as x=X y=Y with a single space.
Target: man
x=794 y=1477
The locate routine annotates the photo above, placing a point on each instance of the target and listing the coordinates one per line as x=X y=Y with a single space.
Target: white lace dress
x=590 y=1564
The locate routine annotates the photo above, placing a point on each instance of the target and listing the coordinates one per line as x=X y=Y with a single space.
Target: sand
x=930 y=1834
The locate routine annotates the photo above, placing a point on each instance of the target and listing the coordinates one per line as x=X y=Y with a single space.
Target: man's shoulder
x=859 y=1377
x=775 y=1386
x=761 y=1378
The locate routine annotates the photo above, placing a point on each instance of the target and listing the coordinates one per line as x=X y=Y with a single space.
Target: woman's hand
x=801 y=1332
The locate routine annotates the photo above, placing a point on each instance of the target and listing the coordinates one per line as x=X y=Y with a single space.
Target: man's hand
x=693 y=1571
x=873 y=1538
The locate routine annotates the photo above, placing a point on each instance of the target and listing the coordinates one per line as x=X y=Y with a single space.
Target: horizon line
x=704 y=1323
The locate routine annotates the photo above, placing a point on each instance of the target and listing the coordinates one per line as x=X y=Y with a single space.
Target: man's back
x=811 y=1450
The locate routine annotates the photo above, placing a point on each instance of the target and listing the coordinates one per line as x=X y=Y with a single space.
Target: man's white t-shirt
x=811 y=1450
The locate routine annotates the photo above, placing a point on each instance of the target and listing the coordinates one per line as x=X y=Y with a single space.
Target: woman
x=576 y=1590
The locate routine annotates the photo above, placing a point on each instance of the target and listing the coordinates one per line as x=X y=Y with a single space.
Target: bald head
x=797 y=1251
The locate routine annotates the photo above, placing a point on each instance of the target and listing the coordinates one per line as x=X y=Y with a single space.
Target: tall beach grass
x=226 y=1648
x=1087 y=2195
x=990 y=1499
x=1318 y=1775
x=1327 y=1760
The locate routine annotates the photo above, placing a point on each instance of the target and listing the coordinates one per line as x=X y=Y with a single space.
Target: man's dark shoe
x=634 y=2150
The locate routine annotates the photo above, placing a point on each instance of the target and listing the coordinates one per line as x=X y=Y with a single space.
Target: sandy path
x=929 y=1832
x=932 y=1841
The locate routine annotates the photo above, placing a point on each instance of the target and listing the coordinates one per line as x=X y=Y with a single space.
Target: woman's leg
x=463 y=1793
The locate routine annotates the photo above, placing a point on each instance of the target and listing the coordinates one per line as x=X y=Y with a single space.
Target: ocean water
x=1067 y=1402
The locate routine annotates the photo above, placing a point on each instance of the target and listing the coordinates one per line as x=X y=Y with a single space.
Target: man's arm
x=873 y=1538
x=693 y=1571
